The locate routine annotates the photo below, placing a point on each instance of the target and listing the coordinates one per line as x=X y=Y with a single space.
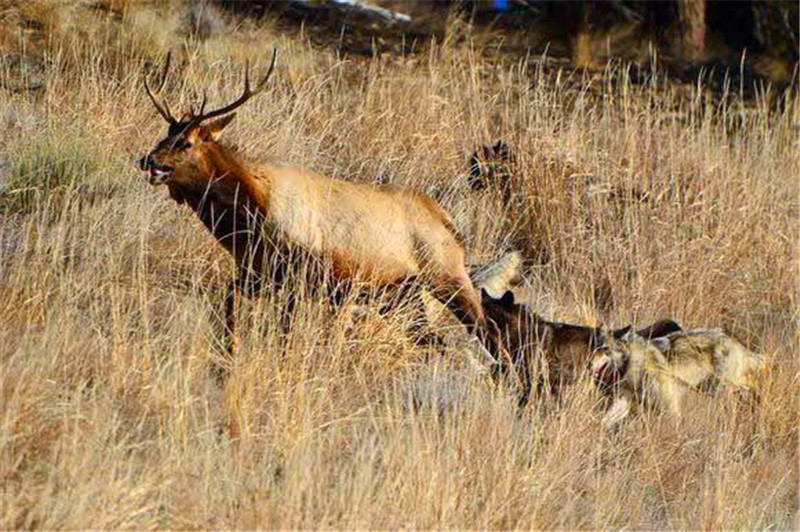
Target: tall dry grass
x=110 y=296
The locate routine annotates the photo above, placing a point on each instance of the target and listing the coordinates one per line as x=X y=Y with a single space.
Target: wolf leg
x=619 y=410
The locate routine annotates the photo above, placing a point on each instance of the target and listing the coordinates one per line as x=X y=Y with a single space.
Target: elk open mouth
x=159 y=174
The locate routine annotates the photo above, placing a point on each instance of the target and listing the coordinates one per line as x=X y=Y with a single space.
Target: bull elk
x=380 y=234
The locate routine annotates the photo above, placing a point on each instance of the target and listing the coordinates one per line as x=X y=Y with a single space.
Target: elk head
x=183 y=155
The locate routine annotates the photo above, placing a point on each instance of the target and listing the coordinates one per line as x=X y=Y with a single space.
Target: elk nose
x=146 y=162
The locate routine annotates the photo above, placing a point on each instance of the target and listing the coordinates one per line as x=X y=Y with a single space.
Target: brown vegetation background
x=630 y=202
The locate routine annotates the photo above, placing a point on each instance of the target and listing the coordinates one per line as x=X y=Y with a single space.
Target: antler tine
x=271 y=67
x=198 y=111
x=163 y=109
x=160 y=109
x=247 y=93
x=169 y=117
x=165 y=71
x=203 y=104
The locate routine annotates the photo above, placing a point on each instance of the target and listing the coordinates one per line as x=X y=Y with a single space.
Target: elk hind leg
x=460 y=296
x=409 y=294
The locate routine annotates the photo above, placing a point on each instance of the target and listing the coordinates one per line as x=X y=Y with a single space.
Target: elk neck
x=230 y=200
x=225 y=181
x=233 y=182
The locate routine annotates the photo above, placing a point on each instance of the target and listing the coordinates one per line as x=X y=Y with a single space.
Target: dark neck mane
x=231 y=202
x=227 y=179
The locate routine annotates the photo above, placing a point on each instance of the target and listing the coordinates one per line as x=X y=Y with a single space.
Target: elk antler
x=163 y=109
x=247 y=93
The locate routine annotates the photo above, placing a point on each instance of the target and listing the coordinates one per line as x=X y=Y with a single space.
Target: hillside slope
x=629 y=203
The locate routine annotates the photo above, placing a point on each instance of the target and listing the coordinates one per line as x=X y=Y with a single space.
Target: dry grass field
x=111 y=294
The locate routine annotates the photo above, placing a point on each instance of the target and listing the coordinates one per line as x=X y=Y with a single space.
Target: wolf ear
x=663 y=344
x=214 y=128
x=619 y=333
x=598 y=338
x=508 y=299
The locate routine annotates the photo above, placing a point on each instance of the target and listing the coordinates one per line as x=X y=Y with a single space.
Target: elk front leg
x=230 y=339
x=231 y=309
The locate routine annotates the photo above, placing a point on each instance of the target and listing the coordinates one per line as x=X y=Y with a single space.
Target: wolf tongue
x=607 y=374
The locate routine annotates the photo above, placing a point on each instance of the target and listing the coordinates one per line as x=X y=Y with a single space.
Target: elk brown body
x=262 y=213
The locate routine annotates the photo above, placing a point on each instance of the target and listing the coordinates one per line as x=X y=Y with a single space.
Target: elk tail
x=498 y=276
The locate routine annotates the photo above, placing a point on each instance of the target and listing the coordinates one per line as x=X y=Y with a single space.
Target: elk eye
x=183 y=144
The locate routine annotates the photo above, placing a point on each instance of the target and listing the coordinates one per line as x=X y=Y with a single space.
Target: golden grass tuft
x=110 y=296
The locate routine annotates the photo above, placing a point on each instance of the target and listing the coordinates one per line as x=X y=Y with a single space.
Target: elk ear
x=213 y=129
